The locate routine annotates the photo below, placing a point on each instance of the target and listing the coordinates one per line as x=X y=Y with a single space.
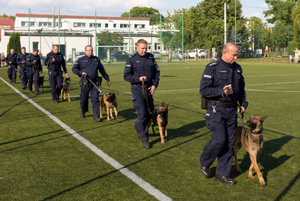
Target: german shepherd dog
x=109 y=100
x=65 y=89
x=41 y=83
x=160 y=119
x=252 y=140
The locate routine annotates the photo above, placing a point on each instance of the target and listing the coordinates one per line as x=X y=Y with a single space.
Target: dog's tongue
x=107 y=103
x=158 y=116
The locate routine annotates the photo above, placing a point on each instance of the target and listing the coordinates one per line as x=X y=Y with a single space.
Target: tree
x=111 y=39
x=173 y=21
x=205 y=22
x=280 y=11
x=14 y=43
x=150 y=12
x=6 y=16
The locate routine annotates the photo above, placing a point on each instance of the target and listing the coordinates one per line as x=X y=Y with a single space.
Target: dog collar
x=260 y=132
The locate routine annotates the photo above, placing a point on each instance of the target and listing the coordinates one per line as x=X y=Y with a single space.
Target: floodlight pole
x=225 y=38
x=96 y=49
x=59 y=29
x=235 y=22
x=29 y=29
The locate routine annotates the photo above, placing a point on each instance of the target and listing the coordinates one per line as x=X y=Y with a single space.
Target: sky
x=113 y=7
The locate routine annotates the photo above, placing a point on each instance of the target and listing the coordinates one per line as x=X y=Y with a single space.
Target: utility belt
x=138 y=85
x=55 y=71
x=222 y=104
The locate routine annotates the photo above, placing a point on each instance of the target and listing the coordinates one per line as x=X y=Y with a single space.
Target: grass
x=42 y=161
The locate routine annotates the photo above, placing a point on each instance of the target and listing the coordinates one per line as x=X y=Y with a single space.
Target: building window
x=115 y=25
x=149 y=47
x=106 y=25
x=124 y=25
x=25 y=24
x=79 y=24
x=125 y=45
x=157 y=46
x=45 y=24
x=57 y=24
x=93 y=25
x=139 y=26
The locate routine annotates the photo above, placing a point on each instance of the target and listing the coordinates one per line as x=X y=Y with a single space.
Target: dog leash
x=94 y=85
x=145 y=95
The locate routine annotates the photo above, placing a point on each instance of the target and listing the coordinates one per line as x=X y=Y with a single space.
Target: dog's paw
x=250 y=176
x=162 y=142
x=118 y=120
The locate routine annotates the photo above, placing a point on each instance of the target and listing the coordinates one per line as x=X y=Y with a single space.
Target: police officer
x=11 y=61
x=21 y=60
x=139 y=66
x=89 y=65
x=223 y=86
x=55 y=60
x=33 y=62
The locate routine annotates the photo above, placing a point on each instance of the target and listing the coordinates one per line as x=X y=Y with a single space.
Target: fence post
x=273 y=43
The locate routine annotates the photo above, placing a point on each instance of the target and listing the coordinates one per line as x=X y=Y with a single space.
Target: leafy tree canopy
x=280 y=11
x=6 y=16
x=150 y=12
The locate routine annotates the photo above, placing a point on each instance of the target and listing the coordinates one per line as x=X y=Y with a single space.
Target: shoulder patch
x=128 y=65
x=212 y=64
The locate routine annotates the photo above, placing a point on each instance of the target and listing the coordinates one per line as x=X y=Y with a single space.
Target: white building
x=78 y=31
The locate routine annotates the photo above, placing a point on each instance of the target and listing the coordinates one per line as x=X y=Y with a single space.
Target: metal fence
x=168 y=41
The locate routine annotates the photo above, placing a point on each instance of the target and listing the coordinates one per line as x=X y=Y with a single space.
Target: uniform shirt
x=12 y=59
x=59 y=61
x=91 y=66
x=30 y=64
x=137 y=66
x=21 y=57
x=218 y=74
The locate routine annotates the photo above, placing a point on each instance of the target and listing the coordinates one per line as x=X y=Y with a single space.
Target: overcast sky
x=112 y=7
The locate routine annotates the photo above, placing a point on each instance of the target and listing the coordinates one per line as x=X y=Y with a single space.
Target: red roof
x=81 y=16
x=8 y=22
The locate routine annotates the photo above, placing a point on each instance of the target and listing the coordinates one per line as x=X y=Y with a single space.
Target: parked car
x=119 y=56
x=79 y=55
x=177 y=54
x=196 y=52
x=156 y=55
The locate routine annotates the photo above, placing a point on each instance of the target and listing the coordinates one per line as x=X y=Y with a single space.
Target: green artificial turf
x=39 y=160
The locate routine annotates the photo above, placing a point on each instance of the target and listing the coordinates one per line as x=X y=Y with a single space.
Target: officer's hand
x=34 y=61
x=9 y=62
x=67 y=76
x=241 y=110
x=152 y=89
x=83 y=73
x=18 y=66
x=228 y=89
x=53 y=60
x=108 y=83
x=141 y=78
x=23 y=62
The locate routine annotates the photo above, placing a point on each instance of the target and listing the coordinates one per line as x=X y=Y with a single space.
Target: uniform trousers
x=222 y=122
x=12 y=73
x=23 y=74
x=84 y=98
x=56 y=82
x=33 y=74
x=140 y=107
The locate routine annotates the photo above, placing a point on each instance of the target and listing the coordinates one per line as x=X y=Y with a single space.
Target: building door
x=35 y=45
x=63 y=50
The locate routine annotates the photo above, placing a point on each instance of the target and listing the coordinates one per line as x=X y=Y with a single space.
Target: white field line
x=131 y=175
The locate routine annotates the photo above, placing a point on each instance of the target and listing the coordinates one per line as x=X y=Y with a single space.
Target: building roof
x=7 y=22
x=81 y=16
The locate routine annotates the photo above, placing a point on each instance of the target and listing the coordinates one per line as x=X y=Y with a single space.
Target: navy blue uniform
x=221 y=115
x=137 y=66
x=12 y=67
x=33 y=71
x=23 y=68
x=91 y=66
x=54 y=72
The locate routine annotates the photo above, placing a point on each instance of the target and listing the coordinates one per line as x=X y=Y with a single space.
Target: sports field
x=48 y=153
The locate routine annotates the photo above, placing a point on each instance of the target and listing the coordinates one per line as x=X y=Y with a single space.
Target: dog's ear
x=163 y=103
x=263 y=118
x=167 y=105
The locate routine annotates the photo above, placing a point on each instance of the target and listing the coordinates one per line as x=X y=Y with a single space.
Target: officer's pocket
x=135 y=103
x=209 y=119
